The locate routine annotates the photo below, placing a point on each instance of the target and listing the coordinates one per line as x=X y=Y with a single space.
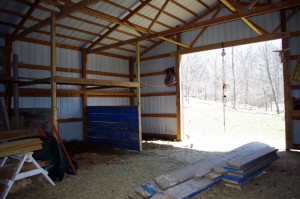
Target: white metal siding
x=158 y=104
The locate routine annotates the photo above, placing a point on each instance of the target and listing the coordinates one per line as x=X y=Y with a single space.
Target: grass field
x=204 y=126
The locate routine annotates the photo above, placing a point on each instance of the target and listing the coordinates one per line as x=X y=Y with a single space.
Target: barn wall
x=294 y=25
x=68 y=107
x=161 y=126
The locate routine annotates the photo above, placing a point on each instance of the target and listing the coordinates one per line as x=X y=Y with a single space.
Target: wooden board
x=296 y=74
x=201 y=168
x=247 y=161
x=221 y=168
x=187 y=189
x=113 y=126
x=17 y=134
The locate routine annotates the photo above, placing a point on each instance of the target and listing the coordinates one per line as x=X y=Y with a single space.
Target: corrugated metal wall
x=68 y=107
x=292 y=26
x=155 y=84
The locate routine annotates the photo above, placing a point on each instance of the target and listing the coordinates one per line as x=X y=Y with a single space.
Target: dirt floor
x=108 y=174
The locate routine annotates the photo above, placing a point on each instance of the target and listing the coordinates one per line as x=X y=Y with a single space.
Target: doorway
x=250 y=78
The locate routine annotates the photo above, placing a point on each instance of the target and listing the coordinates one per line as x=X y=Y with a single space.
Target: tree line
x=251 y=76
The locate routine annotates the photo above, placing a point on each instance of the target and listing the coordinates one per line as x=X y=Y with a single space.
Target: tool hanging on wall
x=224 y=85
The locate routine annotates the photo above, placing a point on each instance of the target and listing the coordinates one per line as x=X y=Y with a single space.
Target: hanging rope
x=224 y=85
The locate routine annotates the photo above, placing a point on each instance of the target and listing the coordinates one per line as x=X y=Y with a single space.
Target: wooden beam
x=203 y=29
x=54 y=114
x=94 y=82
x=233 y=6
x=287 y=19
x=125 y=19
x=156 y=57
x=24 y=19
x=183 y=7
x=287 y=87
x=36 y=92
x=203 y=4
x=233 y=43
x=131 y=79
x=252 y=4
x=68 y=120
x=75 y=8
x=154 y=73
x=124 y=23
x=219 y=20
x=158 y=14
x=178 y=93
x=138 y=92
x=158 y=94
x=84 y=96
x=168 y=115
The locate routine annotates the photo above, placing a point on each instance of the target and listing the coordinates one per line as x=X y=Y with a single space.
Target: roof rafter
x=24 y=19
x=158 y=14
x=203 y=4
x=109 y=31
x=74 y=8
x=183 y=7
x=200 y=16
x=203 y=30
x=236 y=7
x=126 y=24
x=219 y=20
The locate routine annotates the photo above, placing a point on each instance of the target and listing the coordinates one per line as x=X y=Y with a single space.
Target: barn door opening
x=233 y=99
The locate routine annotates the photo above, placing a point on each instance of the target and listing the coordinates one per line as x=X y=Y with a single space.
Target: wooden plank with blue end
x=114 y=126
x=201 y=168
x=187 y=189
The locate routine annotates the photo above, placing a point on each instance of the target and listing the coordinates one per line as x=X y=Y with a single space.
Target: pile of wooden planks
x=193 y=179
x=19 y=146
x=242 y=169
x=18 y=134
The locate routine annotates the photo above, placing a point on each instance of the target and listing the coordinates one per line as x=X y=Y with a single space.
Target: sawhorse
x=17 y=175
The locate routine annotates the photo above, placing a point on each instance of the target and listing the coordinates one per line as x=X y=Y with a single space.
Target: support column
x=178 y=96
x=84 y=96
x=8 y=87
x=53 y=73
x=131 y=79
x=138 y=93
x=287 y=87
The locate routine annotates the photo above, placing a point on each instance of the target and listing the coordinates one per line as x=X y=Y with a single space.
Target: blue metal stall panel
x=114 y=126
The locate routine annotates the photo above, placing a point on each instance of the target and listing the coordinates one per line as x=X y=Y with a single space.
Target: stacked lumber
x=19 y=146
x=18 y=134
x=242 y=169
x=193 y=179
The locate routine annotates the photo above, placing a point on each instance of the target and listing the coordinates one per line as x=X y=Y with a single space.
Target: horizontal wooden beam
x=159 y=115
x=228 y=18
x=72 y=70
x=68 y=120
x=158 y=136
x=232 y=43
x=153 y=73
x=156 y=57
x=295 y=87
x=158 y=94
x=94 y=82
x=36 y=92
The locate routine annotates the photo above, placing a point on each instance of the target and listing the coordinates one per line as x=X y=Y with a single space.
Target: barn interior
x=107 y=73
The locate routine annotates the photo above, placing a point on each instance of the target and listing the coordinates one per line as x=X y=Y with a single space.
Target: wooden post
x=287 y=87
x=138 y=93
x=84 y=96
x=131 y=78
x=178 y=96
x=8 y=88
x=53 y=73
